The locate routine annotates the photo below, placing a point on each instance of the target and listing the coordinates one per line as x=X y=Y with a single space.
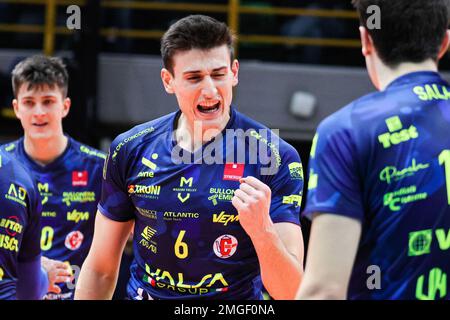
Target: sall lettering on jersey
x=233 y=171
x=431 y=92
x=80 y=178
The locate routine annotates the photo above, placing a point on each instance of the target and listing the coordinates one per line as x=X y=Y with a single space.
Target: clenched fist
x=252 y=201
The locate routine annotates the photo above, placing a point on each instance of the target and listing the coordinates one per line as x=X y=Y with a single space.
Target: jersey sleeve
x=114 y=202
x=30 y=247
x=32 y=280
x=334 y=183
x=287 y=188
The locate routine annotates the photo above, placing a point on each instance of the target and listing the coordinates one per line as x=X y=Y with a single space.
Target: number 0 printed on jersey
x=47 y=238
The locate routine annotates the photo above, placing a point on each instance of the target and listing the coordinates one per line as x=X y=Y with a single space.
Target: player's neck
x=191 y=137
x=387 y=75
x=45 y=151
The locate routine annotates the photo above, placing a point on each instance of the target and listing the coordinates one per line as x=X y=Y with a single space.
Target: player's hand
x=252 y=202
x=57 y=272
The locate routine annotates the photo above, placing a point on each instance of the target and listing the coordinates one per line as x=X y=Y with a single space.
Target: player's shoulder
x=357 y=114
x=12 y=170
x=87 y=152
x=260 y=132
x=5 y=158
x=10 y=147
x=142 y=133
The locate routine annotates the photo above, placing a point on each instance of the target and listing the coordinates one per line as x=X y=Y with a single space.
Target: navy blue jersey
x=188 y=242
x=20 y=228
x=70 y=189
x=385 y=161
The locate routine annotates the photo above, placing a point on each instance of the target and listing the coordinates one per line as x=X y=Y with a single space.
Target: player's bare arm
x=332 y=249
x=98 y=276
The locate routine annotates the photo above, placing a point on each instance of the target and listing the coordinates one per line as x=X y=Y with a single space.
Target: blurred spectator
x=315 y=27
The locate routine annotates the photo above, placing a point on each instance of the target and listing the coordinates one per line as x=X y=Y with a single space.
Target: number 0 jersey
x=385 y=161
x=20 y=227
x=188 y=242
x=70 y=189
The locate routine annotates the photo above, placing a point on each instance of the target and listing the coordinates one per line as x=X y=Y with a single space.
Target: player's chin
x=40 y=134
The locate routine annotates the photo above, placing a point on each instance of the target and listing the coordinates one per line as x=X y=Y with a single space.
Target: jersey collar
x=54 y=164
x=416 y=77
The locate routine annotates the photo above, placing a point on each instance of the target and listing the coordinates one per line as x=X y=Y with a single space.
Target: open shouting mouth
x=208 y=108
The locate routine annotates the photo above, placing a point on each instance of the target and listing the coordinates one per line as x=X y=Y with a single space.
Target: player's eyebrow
x=41 y=97
x=220 y=69
x=199 y=71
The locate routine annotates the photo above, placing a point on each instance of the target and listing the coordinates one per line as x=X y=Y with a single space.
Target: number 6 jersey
x=188 y=242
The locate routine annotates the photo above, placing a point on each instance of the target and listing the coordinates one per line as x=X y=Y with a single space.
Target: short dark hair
x=194 y=32
x=38 y=71
x=411 y=30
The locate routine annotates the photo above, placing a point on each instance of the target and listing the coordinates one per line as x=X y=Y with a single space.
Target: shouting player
x=68 y=173
x=379 y=180
x=204 y=227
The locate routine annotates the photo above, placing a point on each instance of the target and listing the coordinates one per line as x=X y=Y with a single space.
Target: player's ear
x=66 y=107
x=167 y=79
x=15 y=105
x=235 y=71
x=444 y=45
x=366 y=41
